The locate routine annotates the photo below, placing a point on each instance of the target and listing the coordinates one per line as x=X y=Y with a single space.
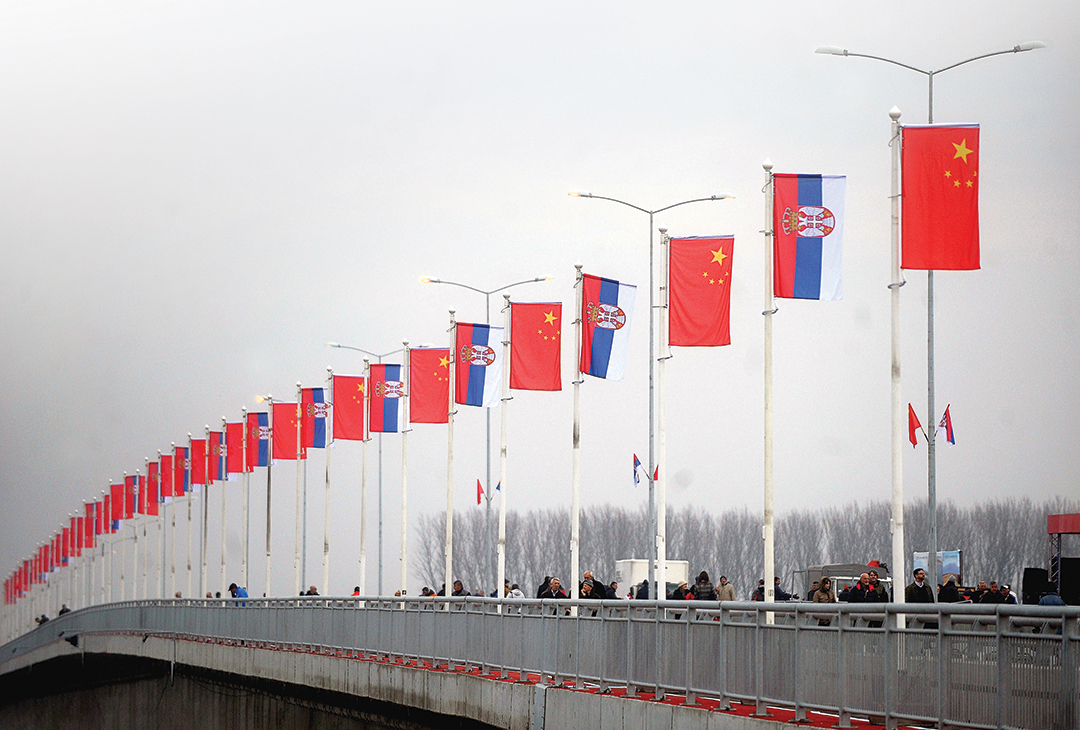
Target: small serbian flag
x=385 y=406
x=478 y=378
x=258 y=440
x=217 y=457
x=946 y=426
x=313 y=408
x=479 y=491
x=699 y=288
x=637 y=466
x=808 y=232
x=181 y=471
x=606 y=309
x=912 y=426
x=131 y=496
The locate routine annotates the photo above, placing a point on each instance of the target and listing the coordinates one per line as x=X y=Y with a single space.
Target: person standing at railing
x=726 y=591
x=703 y=588
x=949 y=593
x=881 y=593
x=554 y=590
x=918 y=591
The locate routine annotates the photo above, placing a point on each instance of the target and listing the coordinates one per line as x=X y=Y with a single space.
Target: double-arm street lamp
x=931 y=432
x=652 y=365
x=378 y=357
x=488 y=547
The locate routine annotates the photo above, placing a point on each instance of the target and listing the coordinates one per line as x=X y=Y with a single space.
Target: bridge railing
x=960 y=665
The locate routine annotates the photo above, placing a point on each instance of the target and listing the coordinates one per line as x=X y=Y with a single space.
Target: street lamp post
x=931 y=432
x=379 y=358
x=652 y=366
x=487 y=493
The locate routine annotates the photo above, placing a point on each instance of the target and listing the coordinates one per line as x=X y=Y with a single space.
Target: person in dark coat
x=681 y=593
x=642 y=591
x=919 y=590
x=778 y=592
x=994 y=595
x=543 y=586
x=949 y=593
x=703 y=588
x=554 y=590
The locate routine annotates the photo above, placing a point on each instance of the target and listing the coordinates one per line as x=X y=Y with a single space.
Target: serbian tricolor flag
x=808 y=232
x=234 y=449
x=258 y=439
x=116 y=506
x=699 y=291
x=217 y=457
x=606 y=309
x=168 y=476
x=153 y=489
x=637 y=466
x=285 y=432
x=479 y=491
x=197 y=463
x=131 y=496
x=313 y=409
x=536 y=346
x=348 y=397
x=913 y=425
x=387 y=390
x=429 y=384
x=945 y=426
x=939 y=220
x=181 y=471
x=478 y=380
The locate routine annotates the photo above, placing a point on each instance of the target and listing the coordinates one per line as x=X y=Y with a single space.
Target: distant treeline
x=998 y=538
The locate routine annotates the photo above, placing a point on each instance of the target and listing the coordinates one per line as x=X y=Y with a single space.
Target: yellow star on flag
x=444 y=361
x=549 y=317
x=719 y=256
x=962 y=150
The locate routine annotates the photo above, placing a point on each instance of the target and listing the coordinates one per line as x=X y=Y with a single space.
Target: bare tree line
x=999 y=538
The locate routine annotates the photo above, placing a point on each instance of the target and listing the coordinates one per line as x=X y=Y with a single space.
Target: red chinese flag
x=940 y=196
x=699 y=302
x=152 y=487
x=285 y=432
x=349 y=407
x=90 y=528
x=99 y=521
x=167 y=477
x=116 y=501
x=234 y=452
x=197 y=453
x=536 y=346
x=75 y=537
x=429 y=385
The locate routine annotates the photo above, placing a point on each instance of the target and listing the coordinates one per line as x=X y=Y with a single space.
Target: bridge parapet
x=967 y=666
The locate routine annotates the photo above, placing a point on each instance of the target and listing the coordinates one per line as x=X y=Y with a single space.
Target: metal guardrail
x=952 y=665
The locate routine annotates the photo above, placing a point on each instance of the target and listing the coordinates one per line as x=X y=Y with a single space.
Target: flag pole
x=204 y=582
x=123 y=543
x=144 y=499
x=163 y=525
x=406 y=412
x=770 y=309
x=135 y=545
x=190 y=494
x=897 y=522
x=297 y=537
x=269 y=469
x=575 y=502
x=247 y=497
x=448 y=574
x=362 y=557
x=224 y=478
x=326 y=498
x=500 y=579
x=661 y=424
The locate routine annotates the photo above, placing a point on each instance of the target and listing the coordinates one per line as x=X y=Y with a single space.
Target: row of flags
x=940 y=184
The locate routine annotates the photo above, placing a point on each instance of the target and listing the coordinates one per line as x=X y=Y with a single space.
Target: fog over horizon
x=197 y=197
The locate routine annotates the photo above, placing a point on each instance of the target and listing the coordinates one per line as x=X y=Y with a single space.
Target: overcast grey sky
x=195 y=197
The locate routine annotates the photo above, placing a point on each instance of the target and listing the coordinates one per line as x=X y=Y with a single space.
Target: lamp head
x=1028 y=46
x=333 y=344
x=723 y=196
x=580 y=194
x=832 y=50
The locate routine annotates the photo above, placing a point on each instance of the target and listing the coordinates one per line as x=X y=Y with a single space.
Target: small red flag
x=429 y=385
x=348 y=407
x=116 y=502
x=197 y=458
x=150 y=501
x=479 y=491
x=234 y=448
x=167 y=477
x=699 y=282
x=940 y=195
x=912 y=425
x=536 y=346
x=285 y=432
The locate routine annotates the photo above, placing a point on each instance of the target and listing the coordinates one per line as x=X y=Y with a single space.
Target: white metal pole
x=135 y=545
x=767 y=528
x=224 y=515
x=247 y=500
x=661 y=393
x=190 y=493
x=326 y=497
x=298 y=537
x=448 y=574
x=362 y=557
x=123 y=552
x=406 y=409
x=500 y=579
x=898 y=570
x=269 y=470
x=204 y=583
x=575 y=502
